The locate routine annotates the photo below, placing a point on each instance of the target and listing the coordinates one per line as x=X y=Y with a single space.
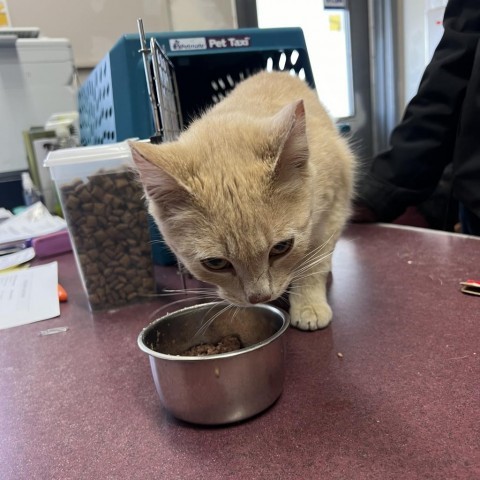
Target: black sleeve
x=466 y=159
x=423 y=142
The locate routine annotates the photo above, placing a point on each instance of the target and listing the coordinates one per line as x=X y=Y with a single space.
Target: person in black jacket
x=440 y=127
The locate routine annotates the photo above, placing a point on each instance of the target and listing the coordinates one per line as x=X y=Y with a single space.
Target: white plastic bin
x=107 y=219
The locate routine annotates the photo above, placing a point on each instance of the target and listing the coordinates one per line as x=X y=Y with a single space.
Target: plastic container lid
x=96 y=153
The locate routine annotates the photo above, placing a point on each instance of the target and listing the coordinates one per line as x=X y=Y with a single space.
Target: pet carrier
x=114 y=102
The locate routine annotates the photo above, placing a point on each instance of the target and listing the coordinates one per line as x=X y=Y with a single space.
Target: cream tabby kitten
x=254 y=195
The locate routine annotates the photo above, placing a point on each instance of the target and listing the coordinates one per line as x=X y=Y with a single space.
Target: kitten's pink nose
x=258 y=298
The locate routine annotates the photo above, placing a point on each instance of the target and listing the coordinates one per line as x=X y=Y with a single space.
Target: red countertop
x=402 y=403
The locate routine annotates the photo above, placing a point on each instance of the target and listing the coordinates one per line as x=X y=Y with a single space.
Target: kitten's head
x=232 y=200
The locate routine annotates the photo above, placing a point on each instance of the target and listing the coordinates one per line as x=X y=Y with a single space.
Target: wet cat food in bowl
x=197 y=384
x=230 y=343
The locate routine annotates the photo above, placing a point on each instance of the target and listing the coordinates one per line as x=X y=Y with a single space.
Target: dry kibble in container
x=109 y=228
x=108 y=223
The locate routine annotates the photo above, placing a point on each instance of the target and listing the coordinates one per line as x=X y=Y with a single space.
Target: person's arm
x=423 y=143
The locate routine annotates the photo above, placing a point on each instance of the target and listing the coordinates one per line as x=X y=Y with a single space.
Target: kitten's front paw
x=310 y=316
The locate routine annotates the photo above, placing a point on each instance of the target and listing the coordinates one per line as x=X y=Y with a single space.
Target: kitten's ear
x=159 y=185
x=290 y=127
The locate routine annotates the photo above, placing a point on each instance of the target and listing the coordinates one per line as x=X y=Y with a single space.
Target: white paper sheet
x=29 y=295
x=17 y=258
x=36 y=220
x=5 y=214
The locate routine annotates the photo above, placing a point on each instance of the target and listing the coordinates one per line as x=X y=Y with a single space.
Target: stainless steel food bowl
x=221 y=388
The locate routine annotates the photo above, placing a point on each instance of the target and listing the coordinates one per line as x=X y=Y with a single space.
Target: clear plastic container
x=107 y=219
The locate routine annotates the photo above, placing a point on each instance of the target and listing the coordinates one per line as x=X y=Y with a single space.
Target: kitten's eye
x=281 y=248
x=216 y=264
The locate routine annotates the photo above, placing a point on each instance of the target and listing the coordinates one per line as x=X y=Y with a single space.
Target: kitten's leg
x=309 y=309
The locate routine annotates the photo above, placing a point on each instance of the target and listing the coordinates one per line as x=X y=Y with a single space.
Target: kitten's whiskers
x=304 y=270
x=210 y=320
x=171 y=304
x=191 y=291
x=313 y=253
